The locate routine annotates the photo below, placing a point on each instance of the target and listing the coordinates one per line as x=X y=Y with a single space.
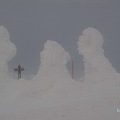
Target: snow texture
x=53 y=94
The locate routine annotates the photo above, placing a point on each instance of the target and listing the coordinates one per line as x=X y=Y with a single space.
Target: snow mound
x=97 y=68
x=53 y=61
x=7 y=51
x=101 y=80
x=53 y=76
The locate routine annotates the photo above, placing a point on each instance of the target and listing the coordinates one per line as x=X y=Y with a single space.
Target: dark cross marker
x=19 y=69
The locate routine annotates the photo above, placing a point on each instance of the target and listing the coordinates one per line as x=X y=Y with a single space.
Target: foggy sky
x=32 y=22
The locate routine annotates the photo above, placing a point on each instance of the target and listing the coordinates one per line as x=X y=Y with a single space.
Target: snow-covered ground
x=52 y=94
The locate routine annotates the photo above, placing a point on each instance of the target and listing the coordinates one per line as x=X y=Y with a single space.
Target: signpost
x=19 y=69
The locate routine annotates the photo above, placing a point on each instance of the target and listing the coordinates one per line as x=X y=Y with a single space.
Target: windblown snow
x=52 y=94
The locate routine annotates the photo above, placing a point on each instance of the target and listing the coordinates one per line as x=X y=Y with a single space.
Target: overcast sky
x=32 y=22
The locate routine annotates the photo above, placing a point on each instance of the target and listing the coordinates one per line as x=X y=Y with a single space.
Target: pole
x=72 y=69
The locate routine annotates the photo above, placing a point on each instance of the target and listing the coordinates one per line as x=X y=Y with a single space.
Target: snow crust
x=53 y=94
